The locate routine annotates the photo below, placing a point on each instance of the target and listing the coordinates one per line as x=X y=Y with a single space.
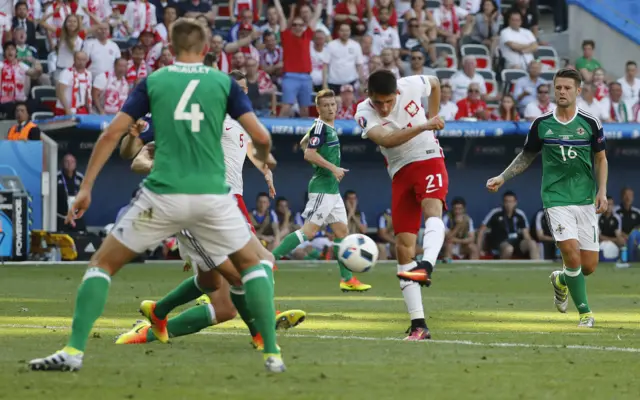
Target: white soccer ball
x=358 y=252
x=610 y=251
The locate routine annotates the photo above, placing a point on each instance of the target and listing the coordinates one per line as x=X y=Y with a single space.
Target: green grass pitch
x=496 y=335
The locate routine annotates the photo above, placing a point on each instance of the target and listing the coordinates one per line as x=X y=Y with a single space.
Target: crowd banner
x=300 y=126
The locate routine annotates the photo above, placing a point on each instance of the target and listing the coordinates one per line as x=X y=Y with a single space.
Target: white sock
x=433 y=239
x=412 y=293
x=212 y=314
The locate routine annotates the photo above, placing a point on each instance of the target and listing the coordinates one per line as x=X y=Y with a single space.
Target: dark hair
x=509 y=193
x=349 y=193
x=609 y=197
x=237 y=75
x=262 y=194
x=210 y=59
x=382 y=82
x=589 y=42
x=631 y=63
x=458 y=200
x=625 y=190
x=281 y=199
x=267 y=34
x=22 y=103
x=543 y=85
x=512 y=12
x=21 y=3
x=614 y=83
x=137 y=47
x=174 y=8
x=6 y=45
x=569 y=73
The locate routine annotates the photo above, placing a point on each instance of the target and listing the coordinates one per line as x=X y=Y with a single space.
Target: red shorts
x=415 y=182
x=244 y=211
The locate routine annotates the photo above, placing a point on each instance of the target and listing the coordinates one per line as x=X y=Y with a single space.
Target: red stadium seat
x=483 y=62
x=452 y=61
x=49 y=102
x=550 y=61
x=492 y=87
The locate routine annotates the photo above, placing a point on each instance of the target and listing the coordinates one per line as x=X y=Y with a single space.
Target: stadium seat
x=40 y=92
x=433 y=4
x=41 y=45
x=122 y=44
x=552 y=62
x=509 y=76
x=483 y=62
x=474 y=50
x=491 y=86
x=487 y=74
x=49 y=102
x=452 y=60
x=548 y=75
x=45 y=66
x=40 y=115
x=445 y=73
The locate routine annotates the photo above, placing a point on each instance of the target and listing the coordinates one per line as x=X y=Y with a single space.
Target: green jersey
x=589 y=65
x=567 y=157
x=324 y=139
x=188 y=104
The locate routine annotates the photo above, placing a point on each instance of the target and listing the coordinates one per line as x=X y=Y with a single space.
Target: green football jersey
x=567 y=157
x=324 y=139
x=188 y=104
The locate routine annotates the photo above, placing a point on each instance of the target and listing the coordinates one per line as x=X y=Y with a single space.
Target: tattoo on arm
x=518 y=165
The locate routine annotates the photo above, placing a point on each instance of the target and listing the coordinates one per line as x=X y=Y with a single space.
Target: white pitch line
x=394 y=339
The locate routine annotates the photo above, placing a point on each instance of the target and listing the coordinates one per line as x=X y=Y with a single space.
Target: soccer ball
x=358 y=252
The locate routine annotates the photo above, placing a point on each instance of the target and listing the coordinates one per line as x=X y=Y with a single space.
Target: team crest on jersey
x=412 y=108
x=145 y=126
x=580 y=131
x=314 y=141
x=362 y=122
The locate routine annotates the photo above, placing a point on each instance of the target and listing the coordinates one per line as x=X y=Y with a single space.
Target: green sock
x=577 y=288
x=259 y=296
x=345 y=273
x=90 y=301
x=313 y=255
x=561 y=279
x=290 y=242
x=239 y=301
x=185 y=292
x=187 y=322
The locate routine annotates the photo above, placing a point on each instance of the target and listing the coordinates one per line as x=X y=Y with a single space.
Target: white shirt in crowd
x=407 y=110
x=442 y=16
x=621 y=111
x=513 y=58
x=83 y=84
x=136 y=16
x=5 y=26
x=630 y=93
x=318 y=60
x=525 y=84
x=534 y=109
x=383 y=38
x=113 y=91
x=448 y=111
x=595 y=108
x=460 y=84
x=342 y=61
x=6 y=7
x=471 y=6
x=103 y=10
x=234 y=145
x=65 y=55
x=102 y=56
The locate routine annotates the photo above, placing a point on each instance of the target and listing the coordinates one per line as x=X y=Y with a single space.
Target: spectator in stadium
x=517 y=44
x=272 y=24
x=161 y=6
x=542 y=234
x=390 y=6
x=261 y=89
x=166 y=58
x=347 y=109
x=384 y=35
x=352 y=12
x=630 y=83
x=24 y=17
x=416 y=65
x=507 y=110
x=265 y=222
x=366 y=43
x=486 y=27
x=222 y=50
x=386 y=238
x=602 y=89
x=448 y=109
x=307 y=15
x=286 y=220
x=241 y=7
x=460 y=235
x=15 y=82
x=616 y=108
x=356 y=220
x=344 y=61
x=25 y=129
x=416 y=39
x=587 y=64
x=423 y=18
x=101 y=11
x=195 y=8
x=170 y=15
x=28 y=55
x=111 y=89
x=69 y=180
x=119 y=26
x=140 y=16
x=239 y=61
x=526 y=87
x=507 y=231
x=55 y=14
x=102 y=51
x=296 y=80
x=630 y=215
x=271 y=56
x=319 y=60
x=375 y=64
x=249 y=50
x=461 y=80
x=473 y=106
x=590 y=104
x=610 y=226
x=448 y=19
x=387 y=57
x=471 y=6
x=541 y=105
x=137 y=68
x=74 y=88
x=529 y=15
x=71 y=39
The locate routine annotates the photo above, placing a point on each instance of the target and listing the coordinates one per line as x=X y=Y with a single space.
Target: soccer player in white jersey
x=394 y=119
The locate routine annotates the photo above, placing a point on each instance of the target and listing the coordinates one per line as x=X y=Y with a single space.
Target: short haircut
x=382 y=82
x=262 y=194
x=509 y=193
x=137 y=47
x=589 y=42
x=458 y=200
x=612 y=84
x=22 y=103
x=349 y=193
x=569 y=73
x=8 y=44
x=543 y=85
x=21 y=3
x=625 y=190
x=187 y=35
x=210 y=59
x=629 y=63
x=280 y=199
x=324 y=94
x=237 y=75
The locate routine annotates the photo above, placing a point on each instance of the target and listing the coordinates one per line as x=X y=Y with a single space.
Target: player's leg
x=315 y=213
x=138 y=229
x=589 y=251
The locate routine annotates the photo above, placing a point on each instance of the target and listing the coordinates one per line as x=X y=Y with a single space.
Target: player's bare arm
x=434 y=96
x=312 y=156
x=131 y=144
x=517 y=166
x=384 y=138
x=143 y=163
x=304 y=142
x=259 y=136
x=271 y=162
x=602 y=173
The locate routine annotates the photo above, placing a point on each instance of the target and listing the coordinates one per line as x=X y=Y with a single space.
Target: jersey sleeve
x=533 y=143
x=598 y=141
x=367 y=120
x=523 y=221
x=419 y=83
x=382 y=222
x=137 y=104
x=148 y=134
x=317 y=135
x=238 y=102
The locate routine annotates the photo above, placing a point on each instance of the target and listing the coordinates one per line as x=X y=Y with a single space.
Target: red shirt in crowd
x=393 y=18
x=346 y=112
x=294 y=59
x=468 y=108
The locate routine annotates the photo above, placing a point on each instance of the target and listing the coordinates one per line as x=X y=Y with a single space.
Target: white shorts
x=575 y=222
x=324 y=208
x=191 y=252
x=217 y=227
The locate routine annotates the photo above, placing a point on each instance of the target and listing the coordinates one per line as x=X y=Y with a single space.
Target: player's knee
x=310 y=230
x=226 y=313
x=431 y=208
x=589 y=268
